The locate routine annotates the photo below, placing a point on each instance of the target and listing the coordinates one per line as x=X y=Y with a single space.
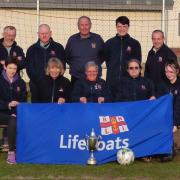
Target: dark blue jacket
x=134 y=89
x=79 y=51
x=92 y=90
x=16 y=51
x=15 y=91
x=155 y=64
x=37 y=58
x=118 y=51
x=51 y=90
x=173 y=89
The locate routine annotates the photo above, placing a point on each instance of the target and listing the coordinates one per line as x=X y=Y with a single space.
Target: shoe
x=166 y=158
x=11 y=159
x=146 y=159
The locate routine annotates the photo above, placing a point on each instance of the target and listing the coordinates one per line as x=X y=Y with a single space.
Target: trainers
x=11 y=159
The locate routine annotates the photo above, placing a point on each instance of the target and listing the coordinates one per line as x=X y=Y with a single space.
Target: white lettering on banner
x=74 y=142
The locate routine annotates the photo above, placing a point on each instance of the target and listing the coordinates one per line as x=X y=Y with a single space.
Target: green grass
x=137 y=170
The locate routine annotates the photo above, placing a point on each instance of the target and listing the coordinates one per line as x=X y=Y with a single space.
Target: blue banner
x=56 y=134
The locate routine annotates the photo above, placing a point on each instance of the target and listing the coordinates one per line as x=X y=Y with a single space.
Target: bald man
x=38 y=55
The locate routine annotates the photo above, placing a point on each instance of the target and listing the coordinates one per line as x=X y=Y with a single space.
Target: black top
x=133 y=89
x=51 y=90
x=15 y=51
x=92 y=90
x=155 y=64
x=79 y=51
x=174 y=89
x=37 y=58
x=118 y=51
x=15 y=91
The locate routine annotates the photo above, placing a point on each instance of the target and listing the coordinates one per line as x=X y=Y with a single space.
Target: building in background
x=145 y=16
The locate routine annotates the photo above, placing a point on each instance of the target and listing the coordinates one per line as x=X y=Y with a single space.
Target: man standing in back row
x=83 y=47
x=157 y=58
x=38 y=55
x=118 y=51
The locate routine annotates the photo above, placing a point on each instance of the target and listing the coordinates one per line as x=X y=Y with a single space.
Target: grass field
x=138 y=170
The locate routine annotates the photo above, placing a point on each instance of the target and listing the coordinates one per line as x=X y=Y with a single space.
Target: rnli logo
x=112 y=125
x=160 y=59
x=18 y=89
x=14 y=54
x=129 y=49
x=19 y=58
x=53 y=53
x=93 y=45
x=143 y=87
x=98 y=86
x=61 y=90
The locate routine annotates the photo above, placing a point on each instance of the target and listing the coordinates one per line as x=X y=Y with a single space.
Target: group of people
x=46 y=60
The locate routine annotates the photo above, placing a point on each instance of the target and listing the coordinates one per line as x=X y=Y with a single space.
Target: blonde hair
x=57 y=63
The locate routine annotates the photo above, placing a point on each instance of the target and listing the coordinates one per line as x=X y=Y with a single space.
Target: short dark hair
x=123 y=20
x=173 y=63
x=11 y=60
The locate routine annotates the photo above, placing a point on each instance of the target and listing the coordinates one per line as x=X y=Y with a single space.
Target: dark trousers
x=6 y=119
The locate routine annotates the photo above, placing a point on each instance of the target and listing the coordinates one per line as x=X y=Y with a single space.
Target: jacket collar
x=16 y=77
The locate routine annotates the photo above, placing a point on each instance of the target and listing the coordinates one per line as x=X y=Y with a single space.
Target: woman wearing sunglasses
x=134 y=87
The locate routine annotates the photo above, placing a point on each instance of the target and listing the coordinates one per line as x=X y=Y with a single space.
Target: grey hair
x=91 y=64
x=84 y=17
x=44 y=25
x=56 y=62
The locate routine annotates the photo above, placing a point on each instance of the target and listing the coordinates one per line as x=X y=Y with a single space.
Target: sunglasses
x=131 y=68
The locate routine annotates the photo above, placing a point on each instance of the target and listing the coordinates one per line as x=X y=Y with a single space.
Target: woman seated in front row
x=134 y=87
x=54 y=87
x=92 y=88
x=12 y=92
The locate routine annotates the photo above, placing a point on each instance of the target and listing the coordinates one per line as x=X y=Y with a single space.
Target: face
x=54 y=71
x=157 y=40
x=11 y=70
x=91 y=73
x=171 y=73
x=9 y=37
x=84 y=26
x=134 y=69
x=44 y=34
x=122 y=30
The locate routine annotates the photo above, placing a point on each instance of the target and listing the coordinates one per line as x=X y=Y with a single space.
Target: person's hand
x=83 y=99
x=13 y=104
x=175 y=129
x=61 y=100
x=100 y=100
x=152 y=98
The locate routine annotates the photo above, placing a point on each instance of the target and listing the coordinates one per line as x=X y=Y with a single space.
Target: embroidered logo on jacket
x=93 y=45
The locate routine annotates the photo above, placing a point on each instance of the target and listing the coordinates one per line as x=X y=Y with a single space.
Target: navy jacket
x=155 y=64
x=79 y=51
x=130 y=89
x=37 y=58
x=173 y=89
x=92 y=90
x=118 y=51
x=15 y=91
x=16 y=51
x=51 y=90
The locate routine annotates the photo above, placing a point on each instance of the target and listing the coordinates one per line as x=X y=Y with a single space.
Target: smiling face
x=171 y=73
x=44 y=34
x=157 y=40
x=9 y=36
x=91 y=73
x=84 y=26
x=122 y=29
x=11 y=70
x=133 y=69
x=54 y=71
